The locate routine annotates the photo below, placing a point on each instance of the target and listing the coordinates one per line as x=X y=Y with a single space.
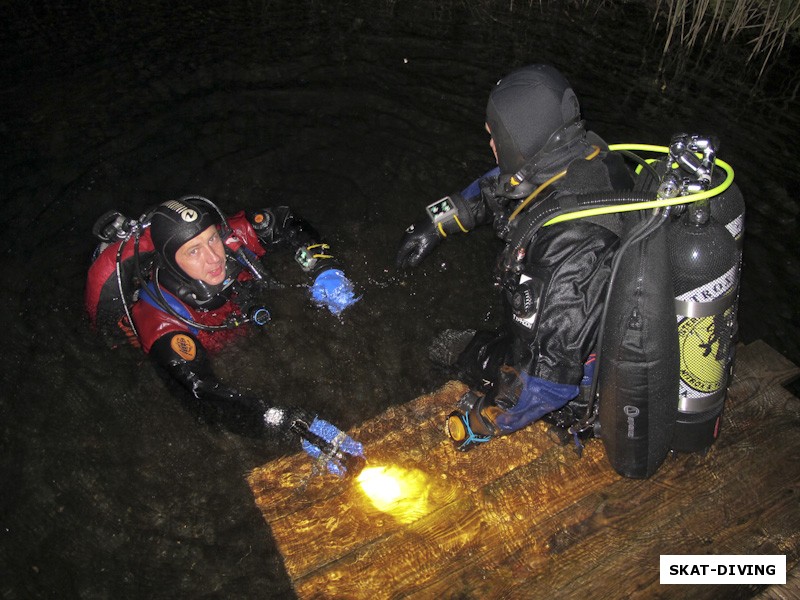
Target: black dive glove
x=418 y=242
x=451 y=214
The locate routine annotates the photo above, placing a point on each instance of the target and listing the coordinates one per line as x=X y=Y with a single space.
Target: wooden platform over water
x=523 y=517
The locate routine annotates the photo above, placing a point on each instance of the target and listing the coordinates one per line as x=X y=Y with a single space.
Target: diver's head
x=187 y=241
x=530 y=111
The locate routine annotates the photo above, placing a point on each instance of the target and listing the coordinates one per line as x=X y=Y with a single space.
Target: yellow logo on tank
x=703 y=356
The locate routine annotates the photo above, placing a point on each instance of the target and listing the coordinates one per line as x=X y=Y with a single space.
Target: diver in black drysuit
x=537 y=362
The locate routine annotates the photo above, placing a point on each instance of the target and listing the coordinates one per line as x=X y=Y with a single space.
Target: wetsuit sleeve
x=279 y=227
x=186 y=361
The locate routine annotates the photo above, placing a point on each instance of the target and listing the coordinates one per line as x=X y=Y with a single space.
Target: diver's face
x=491 y=144
x=203 y=257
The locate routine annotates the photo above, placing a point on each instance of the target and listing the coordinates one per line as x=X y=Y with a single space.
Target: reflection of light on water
x=402 y=493
x=380 y=486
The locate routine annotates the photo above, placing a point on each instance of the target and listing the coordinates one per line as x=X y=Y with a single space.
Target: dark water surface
x=356 y=117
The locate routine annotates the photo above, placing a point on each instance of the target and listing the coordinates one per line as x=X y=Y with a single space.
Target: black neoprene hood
x=175 y=222
x=525 y=108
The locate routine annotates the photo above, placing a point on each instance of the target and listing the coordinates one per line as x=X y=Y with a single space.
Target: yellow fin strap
x=441 y=230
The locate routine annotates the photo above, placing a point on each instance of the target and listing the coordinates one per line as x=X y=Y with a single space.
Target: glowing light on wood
x=401 y=493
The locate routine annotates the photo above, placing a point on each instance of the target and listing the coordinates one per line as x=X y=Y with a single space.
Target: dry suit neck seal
x=194 y=292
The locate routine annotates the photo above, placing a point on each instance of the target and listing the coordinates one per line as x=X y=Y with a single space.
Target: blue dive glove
x=346 y=451
x=333 y=290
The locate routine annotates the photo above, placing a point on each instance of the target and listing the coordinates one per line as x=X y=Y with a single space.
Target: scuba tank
x=662 y=387
x=705 y=274
x=728 y=209
x=704 y=264
x=705 y=243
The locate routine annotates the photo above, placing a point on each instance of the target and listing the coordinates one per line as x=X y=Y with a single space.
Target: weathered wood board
x=523 y=517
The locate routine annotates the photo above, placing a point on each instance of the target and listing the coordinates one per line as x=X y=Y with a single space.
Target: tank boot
x=470 y=424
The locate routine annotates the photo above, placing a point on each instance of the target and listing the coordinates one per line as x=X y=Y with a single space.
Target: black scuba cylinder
x=728 y=208
x=705 y=272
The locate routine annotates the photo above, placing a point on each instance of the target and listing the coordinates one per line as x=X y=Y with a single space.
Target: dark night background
x=356 y=114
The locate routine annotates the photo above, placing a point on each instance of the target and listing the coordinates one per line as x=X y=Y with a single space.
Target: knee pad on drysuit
x=479 y=364
x=517 y=400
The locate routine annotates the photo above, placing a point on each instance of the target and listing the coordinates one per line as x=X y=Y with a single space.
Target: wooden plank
x=292 y=510
x=789 y=591
x=617 y=532
x=523 y=514
x=470 y=530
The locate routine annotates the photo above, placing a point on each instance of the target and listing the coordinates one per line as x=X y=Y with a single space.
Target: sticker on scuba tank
x=704 y=339
x=713 y=289
x=704 y=351
x=183 y=346
x=736 y=227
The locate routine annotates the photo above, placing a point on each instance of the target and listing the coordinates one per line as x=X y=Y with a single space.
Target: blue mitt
x=333 y=290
